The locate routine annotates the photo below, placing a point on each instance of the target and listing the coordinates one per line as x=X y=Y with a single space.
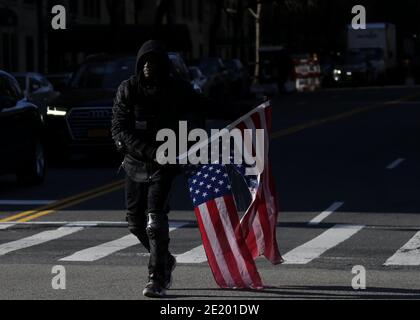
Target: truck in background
x=378 y=45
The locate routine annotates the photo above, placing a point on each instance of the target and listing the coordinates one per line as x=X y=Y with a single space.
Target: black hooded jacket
x=140 y=112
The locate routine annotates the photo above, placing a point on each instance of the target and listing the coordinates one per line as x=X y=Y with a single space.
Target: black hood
x=157 y=48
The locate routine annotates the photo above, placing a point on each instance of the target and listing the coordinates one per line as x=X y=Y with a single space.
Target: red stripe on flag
x=246 y=254
x=246 y=224
x=271 y=191
x=209 y=252
x=224 y=244
x=266 y=226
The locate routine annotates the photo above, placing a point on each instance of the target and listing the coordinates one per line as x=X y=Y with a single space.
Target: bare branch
x=253 y=13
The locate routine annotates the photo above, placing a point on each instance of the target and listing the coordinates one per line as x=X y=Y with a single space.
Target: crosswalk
x=103 y=250
x=408 y=255
x=303 y=254
x=38 y=239
x=321 y=244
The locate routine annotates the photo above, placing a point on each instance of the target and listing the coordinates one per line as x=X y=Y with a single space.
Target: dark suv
x=79 y=120
x=21 y=134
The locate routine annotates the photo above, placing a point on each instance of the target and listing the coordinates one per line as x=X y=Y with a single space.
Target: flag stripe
x=246 y=263
x=249 y=232
x=211 y=257
x=264 y=238
x=218 y=246
x=270 y=200
x=265 y=226
x=215 y=216
x=270 y=196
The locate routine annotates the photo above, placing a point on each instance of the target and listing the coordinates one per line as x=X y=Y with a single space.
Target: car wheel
x=34 y=168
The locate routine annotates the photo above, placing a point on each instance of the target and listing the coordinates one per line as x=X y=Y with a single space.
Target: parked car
x=239 y=79
x=217 y=75
x=21 y=134
x=79 y=120
x=353 y=68
x=36 y=88
x=199 y=79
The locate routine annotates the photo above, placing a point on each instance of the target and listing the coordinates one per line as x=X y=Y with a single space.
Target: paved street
x=347 y=168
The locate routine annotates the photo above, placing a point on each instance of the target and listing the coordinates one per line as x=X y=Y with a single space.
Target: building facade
x=28 y=42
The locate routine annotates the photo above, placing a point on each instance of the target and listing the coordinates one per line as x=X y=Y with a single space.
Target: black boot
x=160 y=263
x=169 y=269
x=154 y=289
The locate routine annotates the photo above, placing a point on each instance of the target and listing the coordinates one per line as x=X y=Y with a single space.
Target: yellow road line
x=348 y=114
x=70 y=204
x=63 y=201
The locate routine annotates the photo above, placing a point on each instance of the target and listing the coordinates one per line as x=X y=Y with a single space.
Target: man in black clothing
x=149 y=101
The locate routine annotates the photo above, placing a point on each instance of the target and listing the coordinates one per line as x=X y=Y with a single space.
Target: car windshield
x=104 y=74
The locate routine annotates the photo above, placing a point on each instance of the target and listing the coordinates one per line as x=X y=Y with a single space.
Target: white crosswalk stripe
x=196 y=255
x=408 y=255
x=38 y=239
x=318 y=246
x=4 y=226
x=103 y=250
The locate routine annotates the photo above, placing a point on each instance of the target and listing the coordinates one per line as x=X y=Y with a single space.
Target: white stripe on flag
x=103 y=250
x=37 y=239
x=255 y=222
x=214 y=243
x=316 y=247
x=196 y=255
x=258 y=233
x=230 y=234
x=408 y=255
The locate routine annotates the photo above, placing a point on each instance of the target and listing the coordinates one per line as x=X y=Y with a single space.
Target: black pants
x=147 y=217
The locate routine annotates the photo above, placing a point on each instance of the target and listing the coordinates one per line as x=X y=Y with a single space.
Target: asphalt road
x=346 y=160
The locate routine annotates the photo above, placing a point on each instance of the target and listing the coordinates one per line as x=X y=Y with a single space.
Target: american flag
x=231 y=244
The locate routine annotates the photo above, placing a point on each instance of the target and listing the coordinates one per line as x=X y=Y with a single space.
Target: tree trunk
x=257 y=42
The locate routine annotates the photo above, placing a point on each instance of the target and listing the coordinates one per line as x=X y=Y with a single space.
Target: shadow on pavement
x=304 y=292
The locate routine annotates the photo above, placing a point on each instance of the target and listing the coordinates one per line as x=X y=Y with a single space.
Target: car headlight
x=337 y=71
x=56 y=111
